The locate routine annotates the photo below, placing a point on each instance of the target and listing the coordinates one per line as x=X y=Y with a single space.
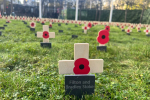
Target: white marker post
x=77 y=2
x=40 y=11
x=111 y=12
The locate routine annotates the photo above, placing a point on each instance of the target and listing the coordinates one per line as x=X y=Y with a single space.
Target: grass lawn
x=28 y=71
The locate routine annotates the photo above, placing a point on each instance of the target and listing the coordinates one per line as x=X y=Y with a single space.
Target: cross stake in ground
x=85 y=29
x=80 y=66
x=46 y=35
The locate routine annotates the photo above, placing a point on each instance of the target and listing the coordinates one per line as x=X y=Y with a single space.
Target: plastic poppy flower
x=85 y=28
x=146 y=31
x=30 y=18
x=122 y=27
x=6 y=17
x=32 y=24
x=43 y=22
x=138 y=28
x=45 y=34
x=107 y=28
x=89 y=25
x=103 y=37
x=128 y=31
x=50 y=25
x=81 y=66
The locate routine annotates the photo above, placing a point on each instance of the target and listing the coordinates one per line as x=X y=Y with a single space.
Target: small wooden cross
x=128 y=31
x=46 y=34
x=32 y=24
x=147 y=31
x=81 y=51
x=138 y=28
x=85 y=29
x=122 y=27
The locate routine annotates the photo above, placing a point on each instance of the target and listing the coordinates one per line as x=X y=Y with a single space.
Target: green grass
x=28 y=71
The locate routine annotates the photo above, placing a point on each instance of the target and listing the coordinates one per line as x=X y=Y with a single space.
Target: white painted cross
x=147 y=31
x=46 y=34
x=85 y=29
x=81 y=50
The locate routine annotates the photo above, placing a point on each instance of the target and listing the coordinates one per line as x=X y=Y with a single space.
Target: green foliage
x=133 y=16
x=146 y=18
x=28 y=71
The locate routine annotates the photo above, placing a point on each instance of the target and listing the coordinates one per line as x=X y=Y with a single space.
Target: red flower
x=32 y=24
x=128 y=31
x=45 y=34
x=30 y=18
x=81 y=66
x=147 y=31
x=107 y=28
x=85 y=28
x=138 y=28
x=89 y=25
x=103 y=37
x=6 y=17
x=122 y=26
x=50 y=25
x=43 y=22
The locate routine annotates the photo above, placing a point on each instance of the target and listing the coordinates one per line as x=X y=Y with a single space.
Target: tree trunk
x=4 y=2
x=11 y=6
x=80 y=13
x=96 y=14
x=125 y=15
x=142 y=15
x=100 y=12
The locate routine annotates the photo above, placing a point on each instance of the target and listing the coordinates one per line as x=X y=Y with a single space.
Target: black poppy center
x=107 y=28
x=103 y=36
x=81 y=66
x=45 y=34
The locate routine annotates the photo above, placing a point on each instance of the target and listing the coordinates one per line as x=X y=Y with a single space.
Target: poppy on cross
x=81 y=63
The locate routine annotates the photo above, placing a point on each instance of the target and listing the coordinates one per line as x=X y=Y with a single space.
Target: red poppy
x=67 y=21
x=122 y=26
x=35 y=19
x=52 y=20
x=30 y=18
x=43 y=22
x=103 y=37
x=58 y=21
x=128 y=31
x=138 y=28
x=107 y=28
x=45 y=34
x=146 y=31
x=50 y=25
x=89 y=25
x=6 y=17
x=10 y=17
x=32 y=24
x=81 y=66
x=85 y=28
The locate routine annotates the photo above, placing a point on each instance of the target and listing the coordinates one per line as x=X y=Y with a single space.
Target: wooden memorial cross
x=50 y=25
x=85 y=29
x=81 y=66
x=128 y=31
x=42 y=22
x=138 y=29
x=147 y=31
x=32 y=25
x=122 y=28
x=46 y=35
